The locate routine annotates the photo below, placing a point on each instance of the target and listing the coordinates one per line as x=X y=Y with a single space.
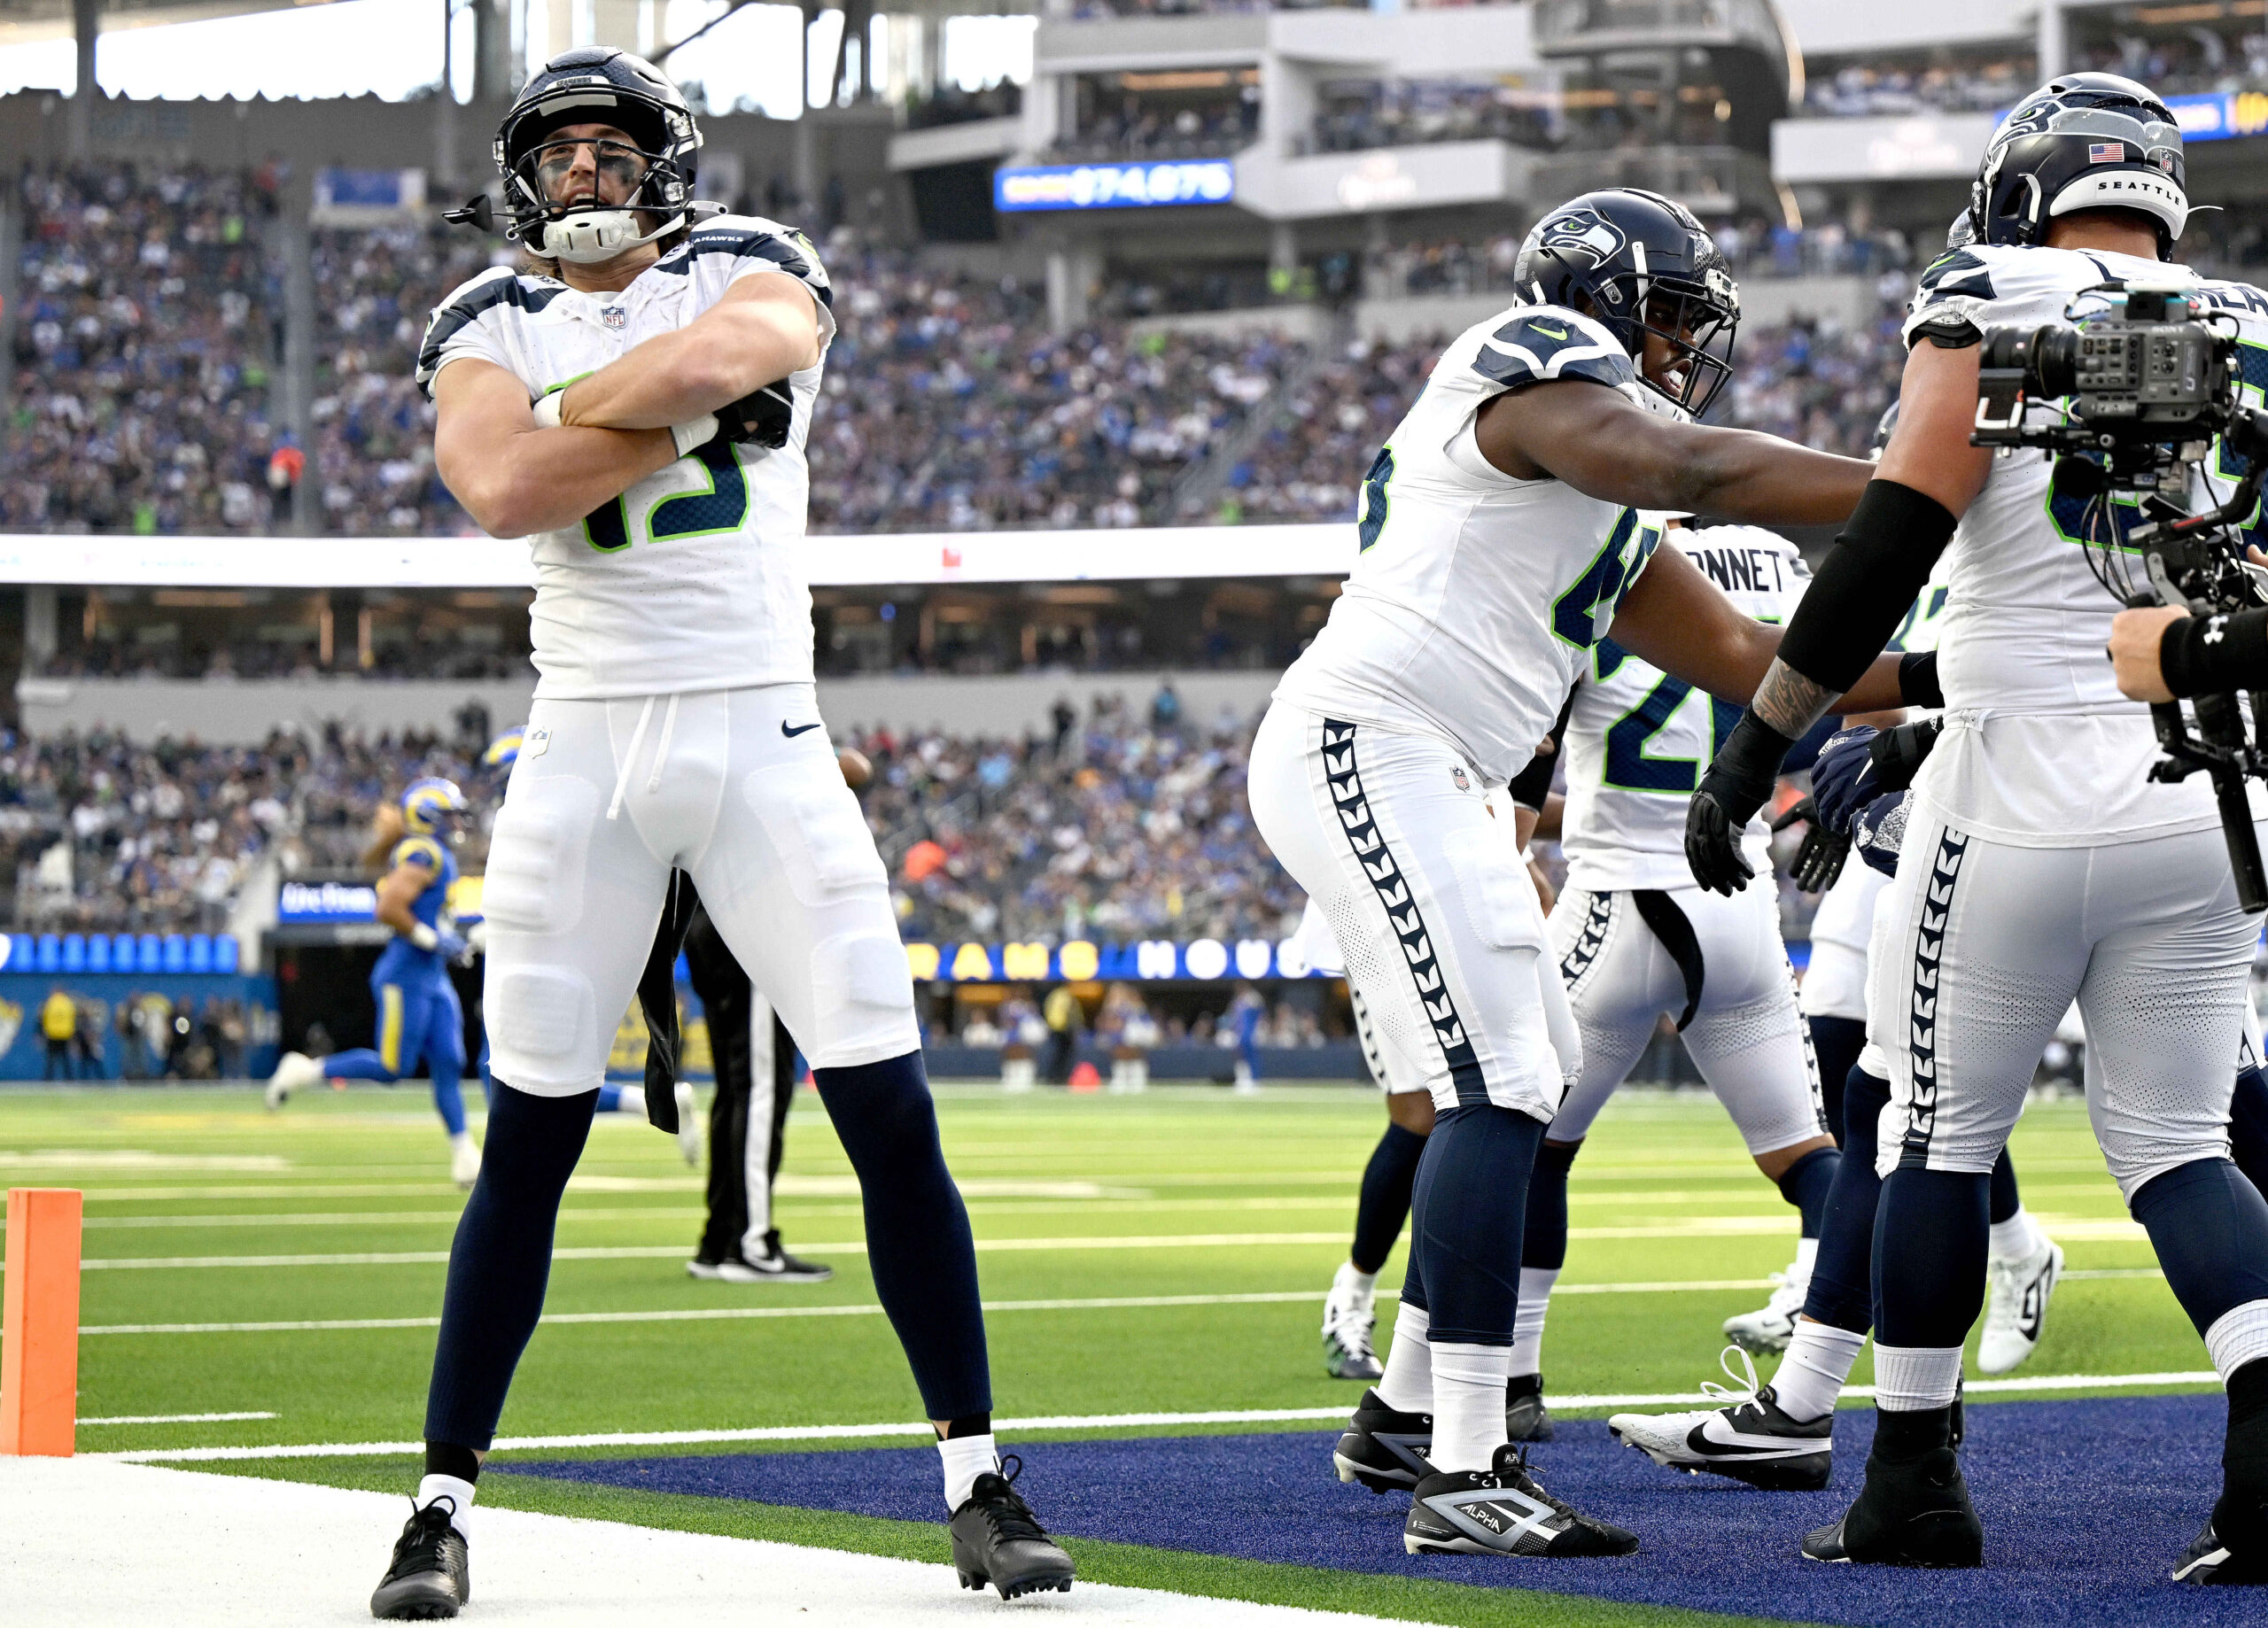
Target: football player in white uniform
x=2039 y=865
x=1636 y=939
x=637 y=402
x=1500 y=535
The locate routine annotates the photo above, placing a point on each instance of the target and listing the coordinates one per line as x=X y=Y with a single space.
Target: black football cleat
x=1504 y=1510
x=996 y=1539
x=1914 y=1509
x=431 y=1578
x=1384 y=1450
x=2215 y=1558
x=1526 y=1417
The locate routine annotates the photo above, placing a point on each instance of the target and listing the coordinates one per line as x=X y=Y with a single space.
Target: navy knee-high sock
x=2005 y=1199
x=2209 y=1227
x=1543 y=1239
x=918 y=1242
x=1835 y=1044
x=1842 y=1279
x=501 y=1260
x=1466 y=1215
x=1930 y=1233
x=1807 y=1184
x=1385 y=1203
x=2249 y=1126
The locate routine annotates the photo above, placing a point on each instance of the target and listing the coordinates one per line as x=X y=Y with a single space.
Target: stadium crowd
x=1358 y=114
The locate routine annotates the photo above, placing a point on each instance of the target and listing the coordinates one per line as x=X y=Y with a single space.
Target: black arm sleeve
x=2210 y=655
x=1532 y=785
x=1881 y=561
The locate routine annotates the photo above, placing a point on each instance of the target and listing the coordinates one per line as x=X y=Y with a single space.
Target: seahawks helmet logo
x=1598 y=237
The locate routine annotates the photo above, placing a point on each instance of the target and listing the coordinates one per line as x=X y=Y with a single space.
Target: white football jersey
x=2040 y=748
x=694 y=578
x=1476 y=597
x=1638 y=740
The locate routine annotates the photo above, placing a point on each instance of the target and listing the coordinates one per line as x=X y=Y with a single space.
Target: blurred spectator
x=1357 y=115
x=58 y=1026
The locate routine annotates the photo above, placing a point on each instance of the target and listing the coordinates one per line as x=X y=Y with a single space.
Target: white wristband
x=698 y=432
x=547 y=409
x=423 y=936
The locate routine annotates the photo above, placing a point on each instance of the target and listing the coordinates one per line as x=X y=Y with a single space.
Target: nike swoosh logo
x=799 y=729
x=1555 y=333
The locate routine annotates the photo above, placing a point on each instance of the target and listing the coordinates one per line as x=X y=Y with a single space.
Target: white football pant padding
x=1439 y=921
x=1983 y=947
x=762 y=822
x=1745 y=1038
x=1373 y=1051
x=755 y=1163
x=1834 y=979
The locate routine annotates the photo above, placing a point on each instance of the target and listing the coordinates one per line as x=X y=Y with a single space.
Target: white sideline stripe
x=1702 y=1226
x=726 y=1313
x=177 y=1418
x=1088 y=1422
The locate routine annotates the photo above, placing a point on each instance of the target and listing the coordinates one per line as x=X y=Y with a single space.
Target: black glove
x=1819 y=860
x=761 y=417
x=1738 y=781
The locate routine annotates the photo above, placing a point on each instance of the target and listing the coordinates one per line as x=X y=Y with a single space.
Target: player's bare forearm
x=1606 y=446
x=762 y=329
x=515 y=479
x=398 y=890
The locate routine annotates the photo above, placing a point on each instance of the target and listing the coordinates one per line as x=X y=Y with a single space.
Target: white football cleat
x=294 y=1070
x=464 y=1160
x=2016 y=1309
x=1772 y=1325
x=1346 y=1324
x=1746 y=1437
x=688 y=1125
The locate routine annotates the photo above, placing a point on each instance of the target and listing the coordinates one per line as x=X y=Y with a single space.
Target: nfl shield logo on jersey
x=1457 y=775
x=614 y=316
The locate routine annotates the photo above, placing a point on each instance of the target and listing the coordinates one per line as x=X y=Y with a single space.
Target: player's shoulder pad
x=418 y=850
x=1530 y=344
x=753 y=237
x=499 y=288
x=1964 y=289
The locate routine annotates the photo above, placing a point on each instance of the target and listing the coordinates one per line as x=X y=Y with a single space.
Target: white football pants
x=1745 y=1037
x=741 y=789
x=1982 y=947
x=1422 y=889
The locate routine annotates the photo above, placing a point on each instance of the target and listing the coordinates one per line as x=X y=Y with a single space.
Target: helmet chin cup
x=590 y=235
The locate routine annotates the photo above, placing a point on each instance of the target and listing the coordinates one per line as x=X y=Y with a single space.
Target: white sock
x=1915 y=1379
x=2016 y=1238
x=1468 y=1405
x=1359 y=1288
x=1807 y=1257
x=2238 y=1336
x=1814 y=1372
x=459 y=1492
x=1527 y=1323
x=965 y=1458
x=1407 y=1385
x=460 y=1139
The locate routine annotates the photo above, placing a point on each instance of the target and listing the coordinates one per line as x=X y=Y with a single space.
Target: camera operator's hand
x=2136 y=636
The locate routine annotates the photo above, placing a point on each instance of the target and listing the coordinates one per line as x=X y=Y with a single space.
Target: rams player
x=419 y=1016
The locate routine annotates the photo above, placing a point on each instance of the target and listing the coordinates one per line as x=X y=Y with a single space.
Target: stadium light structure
x=880 y=559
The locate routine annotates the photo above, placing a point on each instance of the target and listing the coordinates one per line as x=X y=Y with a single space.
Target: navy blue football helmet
x=2083 y=140
x=598 y=85
x=1640 y=264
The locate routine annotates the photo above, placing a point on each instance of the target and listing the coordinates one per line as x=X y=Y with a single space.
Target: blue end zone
x=2087 y=1504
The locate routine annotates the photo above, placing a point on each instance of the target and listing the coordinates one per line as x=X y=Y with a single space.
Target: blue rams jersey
x=403 y=961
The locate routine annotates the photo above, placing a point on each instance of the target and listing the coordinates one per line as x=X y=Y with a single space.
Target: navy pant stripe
x=1922 y=1014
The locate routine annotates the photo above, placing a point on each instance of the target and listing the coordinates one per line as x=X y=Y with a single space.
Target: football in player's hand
x=855 y=770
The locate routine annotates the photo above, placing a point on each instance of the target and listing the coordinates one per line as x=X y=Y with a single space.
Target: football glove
x=1879 y=831
x=1818 y=861
x=1738 y=782
x=1842 y=779
x=760 y=418
x=454 y=948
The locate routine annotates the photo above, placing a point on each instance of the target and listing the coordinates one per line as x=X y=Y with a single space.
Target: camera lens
x=2055 y=369
x=2005 y=348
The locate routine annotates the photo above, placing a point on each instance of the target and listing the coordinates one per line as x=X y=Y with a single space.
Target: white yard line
x=178 y=1418
x=205 y=1551
x=1033 y=1426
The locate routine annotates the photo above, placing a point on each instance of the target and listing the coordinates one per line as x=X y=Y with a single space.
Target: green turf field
x=204 y=1210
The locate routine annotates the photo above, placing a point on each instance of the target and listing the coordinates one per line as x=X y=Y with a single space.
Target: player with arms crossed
x=674 y=724
x=419 y=1014
x=1500 y=537
x=2040 y=863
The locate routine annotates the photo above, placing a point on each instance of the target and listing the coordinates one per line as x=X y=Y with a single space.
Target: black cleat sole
x=404 y=1602
x=1940 y=1540
x=1015 y=1588
x=1774 y=1475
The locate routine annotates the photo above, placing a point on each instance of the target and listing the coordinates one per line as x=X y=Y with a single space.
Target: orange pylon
x=39 y=1323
